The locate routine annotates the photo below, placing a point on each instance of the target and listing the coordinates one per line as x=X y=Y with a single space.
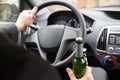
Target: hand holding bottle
x=87 y=76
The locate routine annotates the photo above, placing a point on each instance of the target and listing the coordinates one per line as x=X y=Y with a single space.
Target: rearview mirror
x=7 y=11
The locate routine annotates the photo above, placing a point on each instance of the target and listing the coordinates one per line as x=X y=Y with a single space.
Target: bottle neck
x=79 y=50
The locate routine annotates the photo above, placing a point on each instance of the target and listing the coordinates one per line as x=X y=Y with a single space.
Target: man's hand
x=26 y=18
x=87 y=76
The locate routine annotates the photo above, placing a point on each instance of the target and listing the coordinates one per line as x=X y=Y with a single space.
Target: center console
x=108 y=46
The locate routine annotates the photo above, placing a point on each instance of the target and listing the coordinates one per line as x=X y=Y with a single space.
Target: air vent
x=32 y=46
x=102 y=40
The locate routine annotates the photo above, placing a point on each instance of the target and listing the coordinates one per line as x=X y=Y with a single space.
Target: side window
x=9 y=10
x=16 y=2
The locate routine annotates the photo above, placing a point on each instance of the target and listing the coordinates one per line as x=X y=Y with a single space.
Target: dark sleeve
x=9 y=30
x=19 y=64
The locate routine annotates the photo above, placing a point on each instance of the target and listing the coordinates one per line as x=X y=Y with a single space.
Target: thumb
x=33 y=12
x=70 y=74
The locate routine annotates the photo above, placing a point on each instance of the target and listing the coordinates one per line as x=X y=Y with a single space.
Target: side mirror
x=8 y=12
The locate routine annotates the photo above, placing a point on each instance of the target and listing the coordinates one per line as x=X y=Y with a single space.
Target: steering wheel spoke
x=34 y=39
x=69 y=36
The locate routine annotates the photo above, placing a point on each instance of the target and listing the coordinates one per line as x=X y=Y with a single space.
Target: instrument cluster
x=68 y=19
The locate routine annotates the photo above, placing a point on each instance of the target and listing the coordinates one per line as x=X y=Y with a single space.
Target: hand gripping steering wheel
x=54 y=39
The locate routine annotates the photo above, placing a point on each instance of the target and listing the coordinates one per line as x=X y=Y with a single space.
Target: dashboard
x=103 y=38
x=103 y=33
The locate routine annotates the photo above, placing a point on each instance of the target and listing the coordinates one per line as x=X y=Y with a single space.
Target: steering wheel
x=55 y=39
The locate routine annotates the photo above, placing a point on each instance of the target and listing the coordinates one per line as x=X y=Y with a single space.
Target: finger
x=89 y=73
x=26 y=11
x=70 y=74
x=89 y=69
x=33 y=11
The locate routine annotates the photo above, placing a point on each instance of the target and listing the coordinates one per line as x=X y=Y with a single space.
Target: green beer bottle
x=79 y=62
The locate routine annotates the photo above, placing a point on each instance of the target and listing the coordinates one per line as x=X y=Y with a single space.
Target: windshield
x=93 y=3
x=77 y=3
